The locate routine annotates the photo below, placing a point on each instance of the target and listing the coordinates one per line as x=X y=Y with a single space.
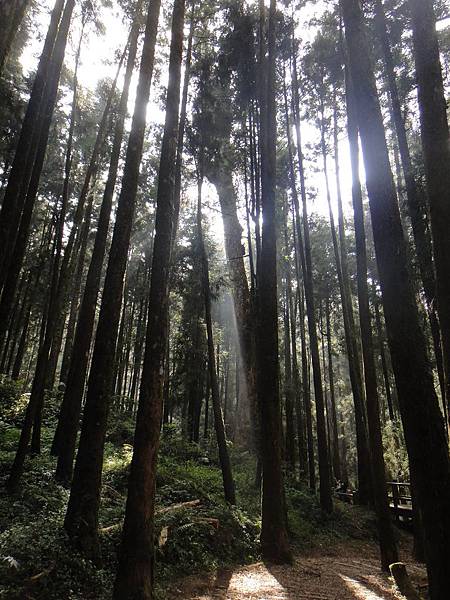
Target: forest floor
x=346 y=571
x=205 y=548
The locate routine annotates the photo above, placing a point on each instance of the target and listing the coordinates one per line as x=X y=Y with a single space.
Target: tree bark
x=415 y=195
x=274 y=538
x=340 y=254
x=136 y=557
x=12 y=13
x=386 y=536
x=82 y=511
x=436 y=151
x=326 y=501
x=219 y=425
x=422 y=420
x=23 y=162
x=39 y=380
x=335 y=435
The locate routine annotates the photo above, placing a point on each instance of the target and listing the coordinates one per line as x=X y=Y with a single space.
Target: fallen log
x=179 y=506
x=159 y=511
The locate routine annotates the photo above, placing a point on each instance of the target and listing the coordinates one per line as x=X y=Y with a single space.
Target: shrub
x=12 y=402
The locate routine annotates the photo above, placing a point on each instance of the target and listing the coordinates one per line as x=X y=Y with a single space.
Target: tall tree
x=299 y=249
x=65 y=435
x=82 y=511
x=219 y=425
x=24 y=157
x=39 y=380
x=380 y=496
x=436 y=151
x=415 y=193
x=136 y=559
x=11 y=16
x=422 y=419
x=326 y=500
x=274 y=538
x=341 y=258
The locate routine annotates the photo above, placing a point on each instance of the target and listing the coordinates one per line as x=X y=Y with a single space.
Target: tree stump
x=401 y=578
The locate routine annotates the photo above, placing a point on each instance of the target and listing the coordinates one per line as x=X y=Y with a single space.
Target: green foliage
x=120 y=428
x=204 y=538
x=12 y=401
x=37 y=560
x=310 y=527
x=395 y=455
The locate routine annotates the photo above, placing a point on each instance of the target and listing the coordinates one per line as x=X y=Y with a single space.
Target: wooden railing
x=400 y=499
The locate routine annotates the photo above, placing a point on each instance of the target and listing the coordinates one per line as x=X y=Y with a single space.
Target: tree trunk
x=274 y=538
x=384 y=364
x=340 y=253
x=82 y=511
x=289 y=389
x=12 y=13
x=380 y=495
x=39 y=381
x=326 y=501
x=436 y=151
x=183 y=115
x=66 y=432
x=136 y=557
x=422 y=419
x=415 y=195
x=335 y=435
x=22 y=165
x=219 y=425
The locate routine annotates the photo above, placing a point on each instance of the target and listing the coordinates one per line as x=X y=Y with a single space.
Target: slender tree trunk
x=12 y=13
x=219 y=425
x=274 y=538
x=436 y=151
x=306 y=388
x=422 y=420
x=384 y=364
x=13 y=262
x=17 y=317
x=325 y=389
x=66 y=432
x=340 y=253
x=388 y=547
x=24 y=157
x=39 y=381
x=136 y=558
x=289 y=389
x=183 y=115
x=300 y=413
x=299 y=249
x=82 y=511
x=415 y=194
x=326 y=501
x=17 y=366
x=335 y=436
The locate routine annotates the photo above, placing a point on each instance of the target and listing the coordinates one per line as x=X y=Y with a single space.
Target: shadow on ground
x=344 y=572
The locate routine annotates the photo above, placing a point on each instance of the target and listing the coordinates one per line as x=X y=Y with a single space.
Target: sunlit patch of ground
x=346 y=572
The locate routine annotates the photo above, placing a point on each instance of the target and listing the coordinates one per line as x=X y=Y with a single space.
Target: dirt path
x=343 y=572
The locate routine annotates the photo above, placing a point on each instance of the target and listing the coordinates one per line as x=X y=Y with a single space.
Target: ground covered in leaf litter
x=346 y=571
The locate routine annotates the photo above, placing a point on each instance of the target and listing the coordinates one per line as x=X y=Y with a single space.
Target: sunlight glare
x=360 y=591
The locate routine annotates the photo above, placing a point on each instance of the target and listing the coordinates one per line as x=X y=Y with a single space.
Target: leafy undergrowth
x=37 y=561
